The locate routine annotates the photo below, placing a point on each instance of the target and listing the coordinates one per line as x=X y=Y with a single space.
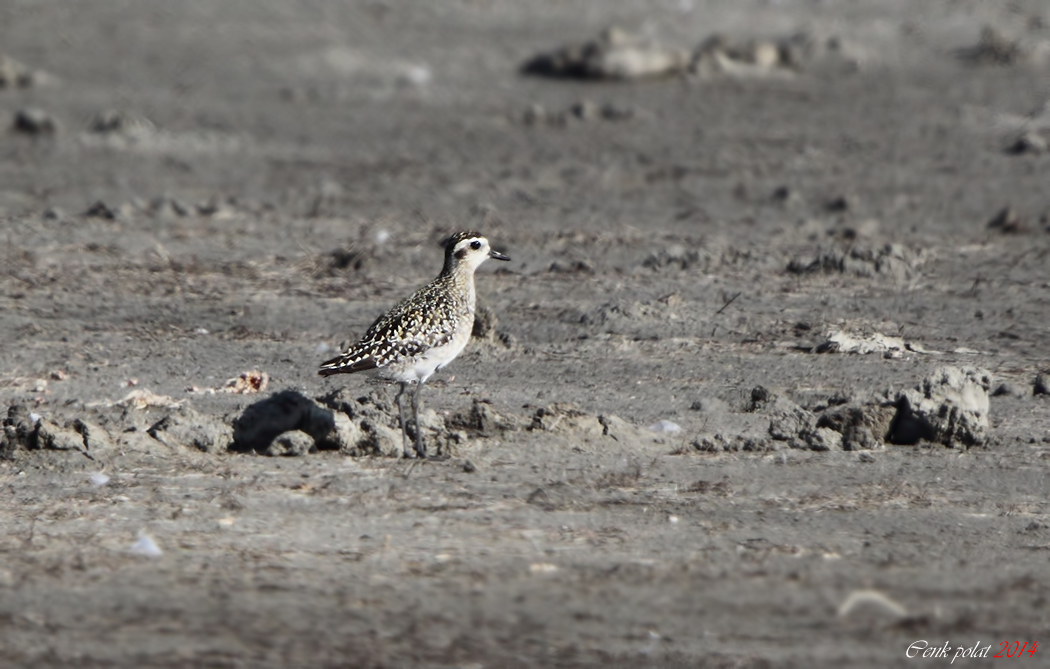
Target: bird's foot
x=421 y=454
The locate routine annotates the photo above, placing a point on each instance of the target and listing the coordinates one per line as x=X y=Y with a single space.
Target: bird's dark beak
x=497 y=255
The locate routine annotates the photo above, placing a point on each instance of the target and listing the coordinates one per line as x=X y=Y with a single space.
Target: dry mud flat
x=765 y=385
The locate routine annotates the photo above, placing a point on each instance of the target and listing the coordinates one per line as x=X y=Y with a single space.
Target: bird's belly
x=419 y=368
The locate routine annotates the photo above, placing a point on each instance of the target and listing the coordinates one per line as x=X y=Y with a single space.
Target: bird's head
x=469 y=249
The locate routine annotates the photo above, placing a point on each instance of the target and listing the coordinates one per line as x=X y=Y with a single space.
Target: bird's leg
x=421 y=450
x=401 y=419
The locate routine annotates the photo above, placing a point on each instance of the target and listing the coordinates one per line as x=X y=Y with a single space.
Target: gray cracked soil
x=308 y=132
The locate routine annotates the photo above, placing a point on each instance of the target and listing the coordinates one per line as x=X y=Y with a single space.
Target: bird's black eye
x=475 y=245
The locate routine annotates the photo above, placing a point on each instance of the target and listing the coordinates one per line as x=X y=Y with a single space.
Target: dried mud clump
x=792 y=424
x=347 y=259
x=892 y=260
x=862 y=427
x=584 y=111
x=112 y=121
x=486 y=329
x=483 y=420
x=719 y=442
x=630 y=317
x=1041 y=385
x=21 y=429
x=566 y=417
x=615 y=54
x=949 y=407
x=186 y=428
x=100 y=209
x=33 y=121
x=620 y=55
x=14 y=74
x=680 y=257
x=995 y=48
x=719 y=56
x=289 y=423
x=1008 y=222
x=1028 y=141
x=369 y=425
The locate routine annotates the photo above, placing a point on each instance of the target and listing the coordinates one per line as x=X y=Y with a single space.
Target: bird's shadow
x=262 y=422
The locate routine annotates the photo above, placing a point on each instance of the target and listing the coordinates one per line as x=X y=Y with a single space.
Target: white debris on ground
x=146 y=546
x=874 y=598
x=144 y=398
x=840 y=341
x=665 y=426
x=246 y=383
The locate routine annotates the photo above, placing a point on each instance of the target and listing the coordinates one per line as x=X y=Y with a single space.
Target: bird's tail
x=348 y=363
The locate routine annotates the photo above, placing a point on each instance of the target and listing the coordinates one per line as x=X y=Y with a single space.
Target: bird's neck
x=459 y=270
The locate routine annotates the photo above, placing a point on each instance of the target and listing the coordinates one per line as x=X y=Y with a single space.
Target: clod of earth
x=994 y=47
x=114 y=121
x=186 y=428
x=1008 y=221
x=14 y=74
x=950 y=407
x=25 y=430
x=1029 y=141
x=1040 y=386
x=720 y=56
x=32 y=121
x=892 y=260
x=295 y=442
x=615 y=54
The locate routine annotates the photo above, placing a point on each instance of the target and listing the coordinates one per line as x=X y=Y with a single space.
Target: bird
x=424 y=332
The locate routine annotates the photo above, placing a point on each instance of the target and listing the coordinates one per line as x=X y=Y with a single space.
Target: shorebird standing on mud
x=423 y=333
